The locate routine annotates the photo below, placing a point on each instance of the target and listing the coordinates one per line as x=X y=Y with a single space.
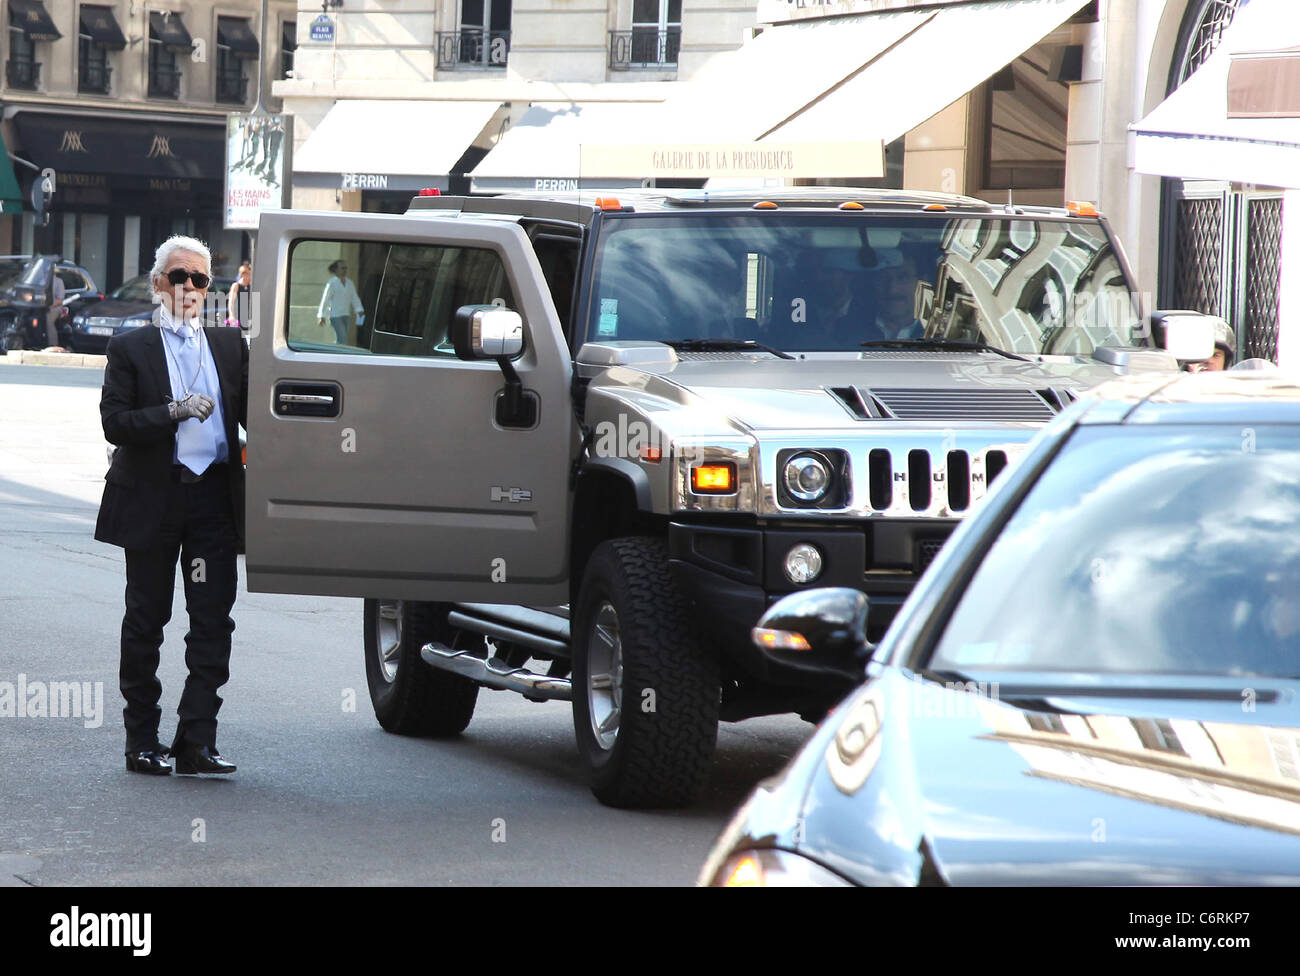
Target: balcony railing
x=164 y=82
x=473 y=47
x=94 y=78
x=644 y=47
x=232 y=88
x=22 y=73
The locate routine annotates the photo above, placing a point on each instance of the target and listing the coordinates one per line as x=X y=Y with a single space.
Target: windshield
x=10 y=270
x=1165 y=549
x=833 y=281
x=37 y=273
x=137 y=289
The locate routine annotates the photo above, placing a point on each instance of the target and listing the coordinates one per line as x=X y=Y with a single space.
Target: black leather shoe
x=149 y=761
x=191 y=759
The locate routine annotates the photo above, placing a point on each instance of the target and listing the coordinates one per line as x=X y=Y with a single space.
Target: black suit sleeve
x=125 y=422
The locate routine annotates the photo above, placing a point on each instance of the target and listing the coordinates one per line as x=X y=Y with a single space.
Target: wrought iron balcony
x=232 y=87
x=473 y=47
x=94 y=78
x=22 y=73
x=644 y=47
x=164 y=82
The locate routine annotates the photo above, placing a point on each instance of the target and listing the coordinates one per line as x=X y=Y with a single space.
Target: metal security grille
x=1198 y=249
x=1263 y=252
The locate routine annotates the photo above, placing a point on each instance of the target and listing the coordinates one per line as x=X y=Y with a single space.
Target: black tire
x=661 y=751
x=409 y=696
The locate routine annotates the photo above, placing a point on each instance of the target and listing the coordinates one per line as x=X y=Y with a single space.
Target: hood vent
x=1023 y=406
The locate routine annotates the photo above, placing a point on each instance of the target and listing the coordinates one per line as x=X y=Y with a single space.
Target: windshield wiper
x=724 y=344
x=955 y=344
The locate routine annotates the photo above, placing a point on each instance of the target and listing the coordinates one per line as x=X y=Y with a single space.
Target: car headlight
x=803 y=563
x=771 y=868
x=807 y=477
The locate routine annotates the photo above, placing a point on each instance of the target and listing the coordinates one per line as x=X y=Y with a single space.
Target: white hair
x=175 y=243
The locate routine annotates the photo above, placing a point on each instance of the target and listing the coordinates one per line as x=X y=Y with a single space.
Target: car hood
x=117 y=308
x=842 y=392
x=912 y=781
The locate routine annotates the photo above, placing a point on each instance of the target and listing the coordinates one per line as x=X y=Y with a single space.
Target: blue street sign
x=322 y=28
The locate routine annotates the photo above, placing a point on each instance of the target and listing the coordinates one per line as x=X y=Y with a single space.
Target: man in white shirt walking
x=340 y=298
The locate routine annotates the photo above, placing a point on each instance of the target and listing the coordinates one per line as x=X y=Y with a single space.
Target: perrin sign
x=749 y=160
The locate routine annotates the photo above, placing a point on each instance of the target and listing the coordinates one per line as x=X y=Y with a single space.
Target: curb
x=31 y=357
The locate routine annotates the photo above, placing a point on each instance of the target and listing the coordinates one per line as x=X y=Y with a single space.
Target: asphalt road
x=323 y=795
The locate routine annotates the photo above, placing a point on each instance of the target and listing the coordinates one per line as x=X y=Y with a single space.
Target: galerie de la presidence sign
x=750 y=160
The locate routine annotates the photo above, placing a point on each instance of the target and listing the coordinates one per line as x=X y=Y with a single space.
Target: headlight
x=807 y=477
x=774 y=869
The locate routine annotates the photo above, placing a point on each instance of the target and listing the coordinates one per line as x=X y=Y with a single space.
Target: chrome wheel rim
x=605 y=676
x=388 y=638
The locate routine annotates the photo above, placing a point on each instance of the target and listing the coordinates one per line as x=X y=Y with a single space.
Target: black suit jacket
x=133 y=409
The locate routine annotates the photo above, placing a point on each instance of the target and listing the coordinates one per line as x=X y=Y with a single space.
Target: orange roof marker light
x=1078 y=208
x=935 y=207
x=608 y=203
x=764 y=205
x=851 y=205
x=430 y=191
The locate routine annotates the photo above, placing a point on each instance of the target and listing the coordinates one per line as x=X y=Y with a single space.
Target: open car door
x=376 y=463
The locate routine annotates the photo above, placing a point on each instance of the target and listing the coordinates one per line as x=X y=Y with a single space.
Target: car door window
x=73 y=280
x=386 y=299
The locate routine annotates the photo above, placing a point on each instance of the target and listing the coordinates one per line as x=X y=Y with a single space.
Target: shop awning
x=170 y=30
x=81 y=144
x=541 y=150
x=31 y=17
x=943 y=53
x=99 y=24
x=1193 y=134
x=398 y=144
x=11 y=197
x=237 y=35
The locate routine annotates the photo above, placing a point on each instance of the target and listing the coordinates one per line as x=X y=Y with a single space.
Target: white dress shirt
x=339 y=297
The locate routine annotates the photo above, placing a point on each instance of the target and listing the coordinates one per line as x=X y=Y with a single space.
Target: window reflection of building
x=1246 y=774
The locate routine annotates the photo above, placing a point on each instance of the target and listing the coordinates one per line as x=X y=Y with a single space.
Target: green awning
x=11 y=198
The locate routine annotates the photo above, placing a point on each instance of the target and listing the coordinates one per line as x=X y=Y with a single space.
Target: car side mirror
x=820 y=631
x=487 y=332
x=1187 y=336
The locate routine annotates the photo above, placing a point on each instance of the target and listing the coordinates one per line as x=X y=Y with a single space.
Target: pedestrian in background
x=236 y=312
x=172 y=399
x=339 y=298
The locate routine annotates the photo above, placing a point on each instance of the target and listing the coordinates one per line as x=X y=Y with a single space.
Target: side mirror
x=1187 y=336
x=487 y=332
x=821 y=630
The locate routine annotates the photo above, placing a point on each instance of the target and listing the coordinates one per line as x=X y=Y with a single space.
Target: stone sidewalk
x=36 y=358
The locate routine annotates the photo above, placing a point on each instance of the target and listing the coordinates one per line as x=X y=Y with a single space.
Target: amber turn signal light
x=713 y=479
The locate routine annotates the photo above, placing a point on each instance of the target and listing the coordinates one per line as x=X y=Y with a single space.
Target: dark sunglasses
x=177 y=276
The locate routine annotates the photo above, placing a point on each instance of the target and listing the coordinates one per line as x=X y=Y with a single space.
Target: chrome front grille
x=940 y=475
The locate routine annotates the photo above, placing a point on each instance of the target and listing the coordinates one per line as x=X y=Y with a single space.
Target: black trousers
x=198 y=527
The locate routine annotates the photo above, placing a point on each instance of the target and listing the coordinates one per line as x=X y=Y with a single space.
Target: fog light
x=803 y=563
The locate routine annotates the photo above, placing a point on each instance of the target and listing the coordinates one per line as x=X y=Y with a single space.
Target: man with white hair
x=173 y=396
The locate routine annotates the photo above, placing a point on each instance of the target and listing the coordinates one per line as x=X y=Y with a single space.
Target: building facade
x=466 y=71
x=124 y=105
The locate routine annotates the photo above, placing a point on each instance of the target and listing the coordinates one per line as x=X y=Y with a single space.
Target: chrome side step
x=496 y=673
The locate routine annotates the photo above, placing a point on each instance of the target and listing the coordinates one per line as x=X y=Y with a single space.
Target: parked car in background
x=25 y=299
x=130 y=306
x=1097 y=682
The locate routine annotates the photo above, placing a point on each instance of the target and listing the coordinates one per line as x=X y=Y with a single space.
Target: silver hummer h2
x=574 y=448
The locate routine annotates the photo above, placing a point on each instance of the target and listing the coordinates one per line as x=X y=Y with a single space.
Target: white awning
x=1190 y=135
x=397 y=144
x=541 y=150
x=856 y=78
x=942 y=57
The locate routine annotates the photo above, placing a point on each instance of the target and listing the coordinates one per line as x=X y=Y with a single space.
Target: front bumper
x=734 y=572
